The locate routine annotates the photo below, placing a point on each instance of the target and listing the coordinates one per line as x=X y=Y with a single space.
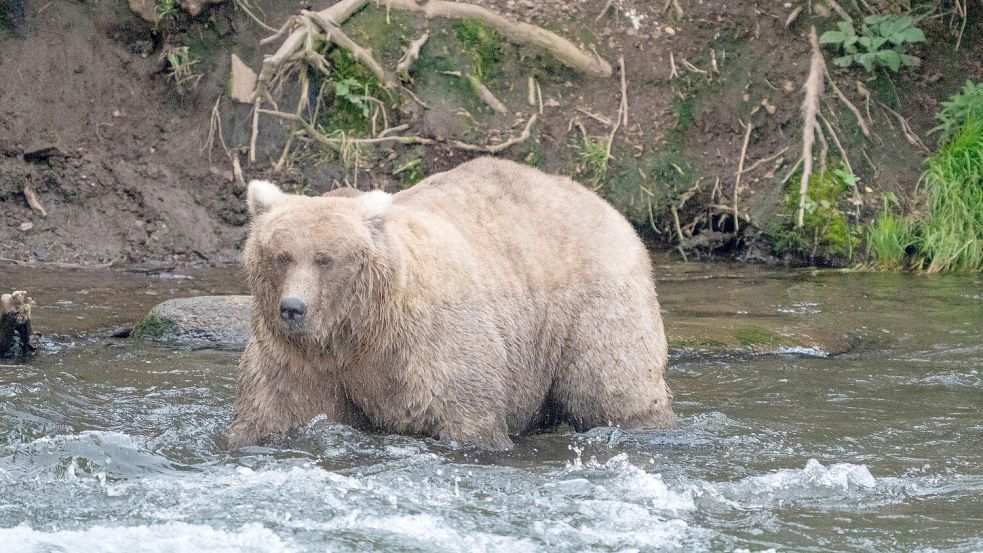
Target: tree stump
x=15 y=325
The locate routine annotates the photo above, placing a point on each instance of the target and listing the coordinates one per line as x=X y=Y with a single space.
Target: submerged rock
x=199 y=321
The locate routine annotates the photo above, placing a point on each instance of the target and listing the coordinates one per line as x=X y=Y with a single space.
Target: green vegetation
x=751 y=336
x=952 y=235
x=482 y=44
x=181 y=65
x=410 y=172
x=154 y=327
x=826 y=234
x=166 y=9
x=948 y=235
x=889 y=238
x=592 y=155
x=884 y=39
x=960 y=108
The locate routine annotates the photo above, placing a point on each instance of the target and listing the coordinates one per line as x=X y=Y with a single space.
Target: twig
x=909 y=134
x=244 y=6
x=846 y=161
x=679 y=231
x=599 y=118
x=740 y=170
x=622 y=106
x=791 y=171
x=849 y=104
x=761 y=161
x=810 y=109
x=495 y=148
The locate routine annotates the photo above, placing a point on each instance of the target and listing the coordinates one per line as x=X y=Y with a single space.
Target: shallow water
x=112 y=445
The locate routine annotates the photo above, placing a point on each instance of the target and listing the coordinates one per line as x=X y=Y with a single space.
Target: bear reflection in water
x=485 y=302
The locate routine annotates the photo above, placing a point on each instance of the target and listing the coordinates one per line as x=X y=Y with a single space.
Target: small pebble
x=26 y=226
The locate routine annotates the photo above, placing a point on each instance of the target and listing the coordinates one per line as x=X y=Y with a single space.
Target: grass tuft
x=952 y=234
x=889 y=238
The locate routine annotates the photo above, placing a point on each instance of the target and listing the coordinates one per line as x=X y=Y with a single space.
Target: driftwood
x=15 y=325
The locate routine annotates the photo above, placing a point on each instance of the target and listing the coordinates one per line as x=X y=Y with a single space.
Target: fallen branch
x=740 y=171
x=810 y=111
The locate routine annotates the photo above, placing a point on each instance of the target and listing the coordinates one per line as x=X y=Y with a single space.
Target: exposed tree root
x=412 y=54
x=810 y=112
x=306 y=34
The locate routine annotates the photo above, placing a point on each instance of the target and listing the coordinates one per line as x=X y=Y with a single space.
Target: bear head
x=306 y=258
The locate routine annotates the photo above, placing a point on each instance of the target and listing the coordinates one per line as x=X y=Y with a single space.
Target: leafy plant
x=593 y=154
x=952 y=234
x=883 y=40
x=165 y=9
x=345 y=89
x=181 y=62
x=965 y=105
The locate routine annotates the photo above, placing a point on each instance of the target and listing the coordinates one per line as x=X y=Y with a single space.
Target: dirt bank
x=118 y=156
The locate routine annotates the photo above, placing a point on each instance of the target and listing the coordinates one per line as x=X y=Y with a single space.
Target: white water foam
x=175 y=537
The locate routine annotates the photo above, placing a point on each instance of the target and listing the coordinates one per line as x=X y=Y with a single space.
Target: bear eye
x=323 y=261
x=282 y=259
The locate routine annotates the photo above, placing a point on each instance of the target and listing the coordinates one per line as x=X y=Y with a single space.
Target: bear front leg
x=475 y=426
x=276 y=391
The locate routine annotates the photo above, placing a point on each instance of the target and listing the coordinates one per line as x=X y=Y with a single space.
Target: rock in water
x=203 y=321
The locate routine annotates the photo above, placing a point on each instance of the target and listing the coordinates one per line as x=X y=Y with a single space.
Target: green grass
x=750 y=336
x=482 y=43
x=889 y=239
x=592 y=156
x=952 y=234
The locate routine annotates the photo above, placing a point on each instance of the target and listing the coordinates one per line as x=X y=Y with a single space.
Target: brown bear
x=485 y=302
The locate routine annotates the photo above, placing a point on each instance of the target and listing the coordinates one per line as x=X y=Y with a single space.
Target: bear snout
x=292 y=311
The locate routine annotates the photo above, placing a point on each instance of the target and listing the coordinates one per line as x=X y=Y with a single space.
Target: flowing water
x=109 y=444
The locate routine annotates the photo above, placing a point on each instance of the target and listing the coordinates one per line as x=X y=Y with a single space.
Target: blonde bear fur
x=485 y=302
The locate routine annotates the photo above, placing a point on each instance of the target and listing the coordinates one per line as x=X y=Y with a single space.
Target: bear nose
x=292 y=310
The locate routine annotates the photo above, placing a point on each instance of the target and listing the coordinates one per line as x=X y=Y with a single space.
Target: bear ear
x=375 y=204
x=262 y=196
